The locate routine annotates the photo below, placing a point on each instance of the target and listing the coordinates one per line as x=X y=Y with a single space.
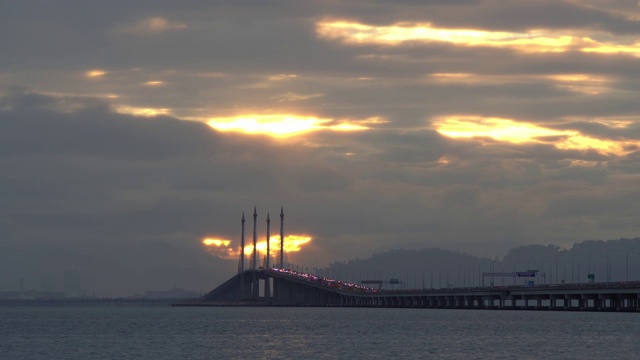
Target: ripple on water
x=319 y=333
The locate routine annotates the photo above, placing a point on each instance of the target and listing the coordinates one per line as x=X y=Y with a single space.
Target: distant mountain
x=612 y=260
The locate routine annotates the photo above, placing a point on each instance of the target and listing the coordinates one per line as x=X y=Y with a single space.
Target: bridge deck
x=281 y=287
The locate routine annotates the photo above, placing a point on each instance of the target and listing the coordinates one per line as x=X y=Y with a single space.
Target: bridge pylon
x=254 y=283
x=267 y=280
x=241 y=258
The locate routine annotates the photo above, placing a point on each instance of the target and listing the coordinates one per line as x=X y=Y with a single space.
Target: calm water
x=312 y=333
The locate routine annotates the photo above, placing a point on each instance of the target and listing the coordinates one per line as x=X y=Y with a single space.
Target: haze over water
x=312 y=333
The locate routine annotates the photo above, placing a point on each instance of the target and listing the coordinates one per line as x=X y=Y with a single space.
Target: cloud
x=472 y=124
x=95 y=177
x=283 y=125
x=153 y=26
x=289 y=96
x=528 y=41
x=519 y=132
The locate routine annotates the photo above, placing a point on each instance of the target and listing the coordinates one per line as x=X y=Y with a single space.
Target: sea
x=312 y=333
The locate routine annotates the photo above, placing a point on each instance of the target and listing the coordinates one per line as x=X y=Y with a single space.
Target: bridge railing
x=322 y=281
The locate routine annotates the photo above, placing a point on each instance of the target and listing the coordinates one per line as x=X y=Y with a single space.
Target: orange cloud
x=280 y=77
x=351 y=32
x=154 y=83
x=154 y=25
x=289 y=96
x=223 y=248
x=95 y=73
x=581 y=83
x=216 y=242
x=141 y=111
x=518 y=132
x=282 y=125
x=220 y=248
x=540 y=40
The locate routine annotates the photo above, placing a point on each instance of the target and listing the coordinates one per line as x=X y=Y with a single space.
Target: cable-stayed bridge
x=283 y=287
x=273 y=285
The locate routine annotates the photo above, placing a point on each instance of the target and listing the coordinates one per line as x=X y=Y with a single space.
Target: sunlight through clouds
x=601 y=48
x=280 y=77
x=154 y=83
x=282 y=125
x=616 y=122
x=579 y=83
x=95 y=73
x=142 y=111
x=582 y=83
x=168 y=113
x=495 y=128
x=223 y=248
x=539 y=40
x=154 y=25
x=361 y=33
x=515 y=132
x=290 y=96
x=220 y=248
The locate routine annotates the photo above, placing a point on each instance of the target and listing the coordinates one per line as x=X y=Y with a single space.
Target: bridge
x=285 y=287
x=278 y=286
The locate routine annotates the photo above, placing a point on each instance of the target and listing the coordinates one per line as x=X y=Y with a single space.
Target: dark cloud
x=87 y=186
x=33 y=128
x=134 y=182
x=514 y=15
x=554 y=14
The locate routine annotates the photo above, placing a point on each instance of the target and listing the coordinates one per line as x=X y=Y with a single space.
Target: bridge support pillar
x=615 y=303
x=481 y=302
x=468 y=302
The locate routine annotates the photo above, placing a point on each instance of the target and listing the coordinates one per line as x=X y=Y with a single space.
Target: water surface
x=312 y=333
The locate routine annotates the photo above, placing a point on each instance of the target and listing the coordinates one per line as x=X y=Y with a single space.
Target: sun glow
x=588 y=84
x=294 y=243
x=154 y=83
x=219 y=247
x=154 y=25
x=601 y=48
x=402 y=32
x=582 y=83
x=507 y=130
x=495 y=128
x=530 y=41
x=145 y=112
x=282 y=125
x=224 y=249
x=95 y=73
x=216 y=242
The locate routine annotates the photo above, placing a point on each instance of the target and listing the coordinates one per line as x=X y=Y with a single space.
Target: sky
x=134 y=134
